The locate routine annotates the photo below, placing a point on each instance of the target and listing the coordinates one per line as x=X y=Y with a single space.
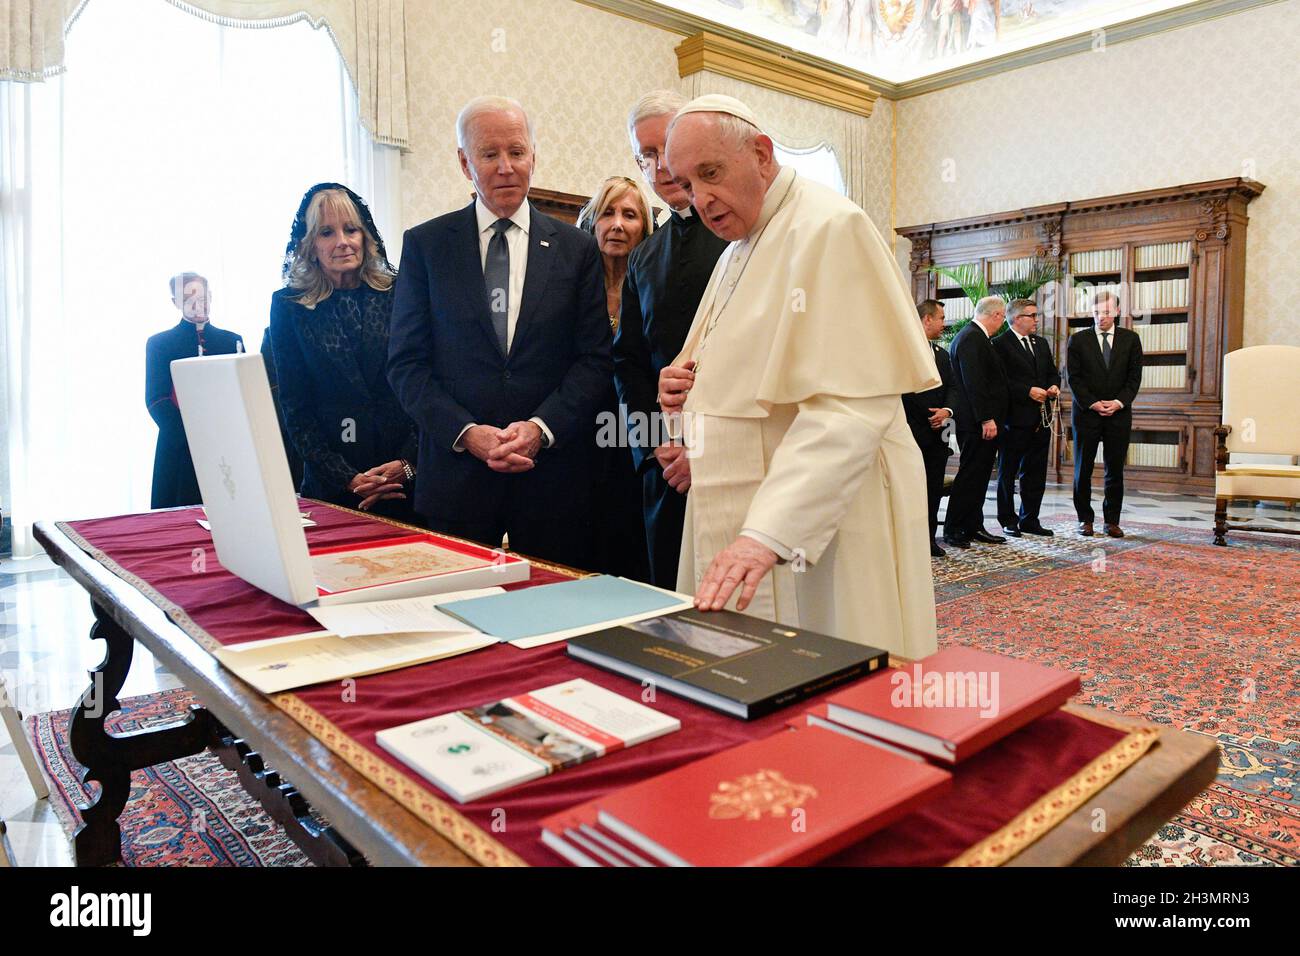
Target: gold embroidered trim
x=1057 y=804
x=171 y=609
x=206 y=640
x=464 y=834
x=994 y=850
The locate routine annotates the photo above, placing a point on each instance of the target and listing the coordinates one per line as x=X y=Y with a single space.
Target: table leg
x=110 y=758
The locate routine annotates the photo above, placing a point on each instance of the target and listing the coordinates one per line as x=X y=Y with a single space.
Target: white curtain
x=170 y=144
x=818 y=163
x=370 y=35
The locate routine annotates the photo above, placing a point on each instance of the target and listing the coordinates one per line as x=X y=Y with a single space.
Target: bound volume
x=476 y=752
x=740 y=665
x=787 y=800
x=952 y=704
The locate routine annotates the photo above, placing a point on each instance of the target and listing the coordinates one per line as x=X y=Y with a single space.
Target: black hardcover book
x=740 y=665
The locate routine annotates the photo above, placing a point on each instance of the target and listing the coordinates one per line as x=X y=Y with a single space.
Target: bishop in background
x=808 y=501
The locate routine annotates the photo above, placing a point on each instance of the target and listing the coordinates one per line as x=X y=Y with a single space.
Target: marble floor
x=45 y=652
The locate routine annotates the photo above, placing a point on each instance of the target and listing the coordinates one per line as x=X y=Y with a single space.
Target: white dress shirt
x=517 y=244
x=1101 y=342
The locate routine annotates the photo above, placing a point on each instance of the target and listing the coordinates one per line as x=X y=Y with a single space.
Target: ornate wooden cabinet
x=1177 y=258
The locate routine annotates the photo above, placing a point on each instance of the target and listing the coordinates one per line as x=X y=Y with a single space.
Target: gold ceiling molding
x=689 y=24
x=741 y=61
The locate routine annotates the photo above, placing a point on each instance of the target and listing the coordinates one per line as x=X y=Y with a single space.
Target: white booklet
x=476 y=752
x=417 y=615
x=282 y=664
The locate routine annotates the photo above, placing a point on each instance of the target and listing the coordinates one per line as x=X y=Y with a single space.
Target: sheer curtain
x=818 y=163
x=170 y=144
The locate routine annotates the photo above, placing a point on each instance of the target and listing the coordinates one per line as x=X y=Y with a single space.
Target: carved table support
x=322 y=844
x=110 y=758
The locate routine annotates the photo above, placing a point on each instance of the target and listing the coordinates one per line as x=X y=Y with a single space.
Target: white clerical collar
x=486 y=217
x=685 y=212
x=772 y=199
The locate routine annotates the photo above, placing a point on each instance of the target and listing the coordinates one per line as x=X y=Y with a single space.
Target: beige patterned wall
x=1204 y=102
x=578 y=70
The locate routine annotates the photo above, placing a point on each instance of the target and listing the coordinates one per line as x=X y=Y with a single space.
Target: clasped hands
x=1106 y=408
x=508 y=450
x=381 y=482
x=1043 y=394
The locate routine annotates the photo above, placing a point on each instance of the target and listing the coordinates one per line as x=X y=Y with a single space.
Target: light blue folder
x=546 y=608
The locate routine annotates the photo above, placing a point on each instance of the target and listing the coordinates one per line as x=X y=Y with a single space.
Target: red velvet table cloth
x=1002 y=798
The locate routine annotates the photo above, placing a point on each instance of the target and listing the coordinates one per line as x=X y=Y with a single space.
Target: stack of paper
x=359 y=639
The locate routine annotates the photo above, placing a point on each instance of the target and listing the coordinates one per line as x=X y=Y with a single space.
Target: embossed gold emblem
x=754 y=795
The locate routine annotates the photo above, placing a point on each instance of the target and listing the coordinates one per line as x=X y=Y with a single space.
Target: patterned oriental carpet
x=1163 y=625
x=187 y=812
x=1168 y=628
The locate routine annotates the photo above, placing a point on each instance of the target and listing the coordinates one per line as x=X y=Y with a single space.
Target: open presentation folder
x=243 y=473
x=358 y=639
x=556 y=612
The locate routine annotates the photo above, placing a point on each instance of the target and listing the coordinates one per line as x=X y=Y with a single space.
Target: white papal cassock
x=804 y=340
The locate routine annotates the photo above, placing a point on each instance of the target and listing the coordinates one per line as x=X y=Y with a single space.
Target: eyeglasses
x=649 y=160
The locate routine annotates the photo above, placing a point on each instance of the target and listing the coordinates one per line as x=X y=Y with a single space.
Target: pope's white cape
x=805 y=338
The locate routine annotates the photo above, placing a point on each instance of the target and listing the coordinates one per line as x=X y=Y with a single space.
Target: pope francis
x=807 y=490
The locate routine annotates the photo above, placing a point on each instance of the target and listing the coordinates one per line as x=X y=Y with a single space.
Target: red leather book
x=819 y=716
x=576 y=836
x=787 y=800
x=954 y=703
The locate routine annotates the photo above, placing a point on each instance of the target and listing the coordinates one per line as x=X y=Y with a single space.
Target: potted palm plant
x=970 y=278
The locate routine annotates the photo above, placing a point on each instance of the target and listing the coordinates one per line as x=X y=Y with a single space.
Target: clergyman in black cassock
x=1103 y=366
x=666 y=276
x=1023 y=440
x=174 y=482
x=922 y=410
x=981 y=404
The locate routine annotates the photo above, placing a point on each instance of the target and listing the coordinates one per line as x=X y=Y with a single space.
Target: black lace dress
x=341 y=414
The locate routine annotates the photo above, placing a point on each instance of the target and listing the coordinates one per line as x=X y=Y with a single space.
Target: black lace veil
x=300 y=225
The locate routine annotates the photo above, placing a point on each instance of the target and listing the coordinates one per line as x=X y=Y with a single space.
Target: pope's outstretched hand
x=743 y=562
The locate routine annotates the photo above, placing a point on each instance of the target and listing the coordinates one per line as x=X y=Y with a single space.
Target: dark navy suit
x=448 y=372
x=1023 y=442
x=933 y=442
x=174 y=483
x=981 y=397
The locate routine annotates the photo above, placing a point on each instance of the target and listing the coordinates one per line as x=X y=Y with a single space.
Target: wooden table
x=251 y=734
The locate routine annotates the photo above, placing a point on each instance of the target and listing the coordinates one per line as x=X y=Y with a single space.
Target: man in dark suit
x=666 y=276
x=1032 y=380
x=500 y=351
x=981 y=404
x=929 y=415
x=174 y=482
x=1104 y=366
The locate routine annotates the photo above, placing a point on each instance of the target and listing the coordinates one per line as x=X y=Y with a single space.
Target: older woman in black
x=329 y=334
x=619 y=218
